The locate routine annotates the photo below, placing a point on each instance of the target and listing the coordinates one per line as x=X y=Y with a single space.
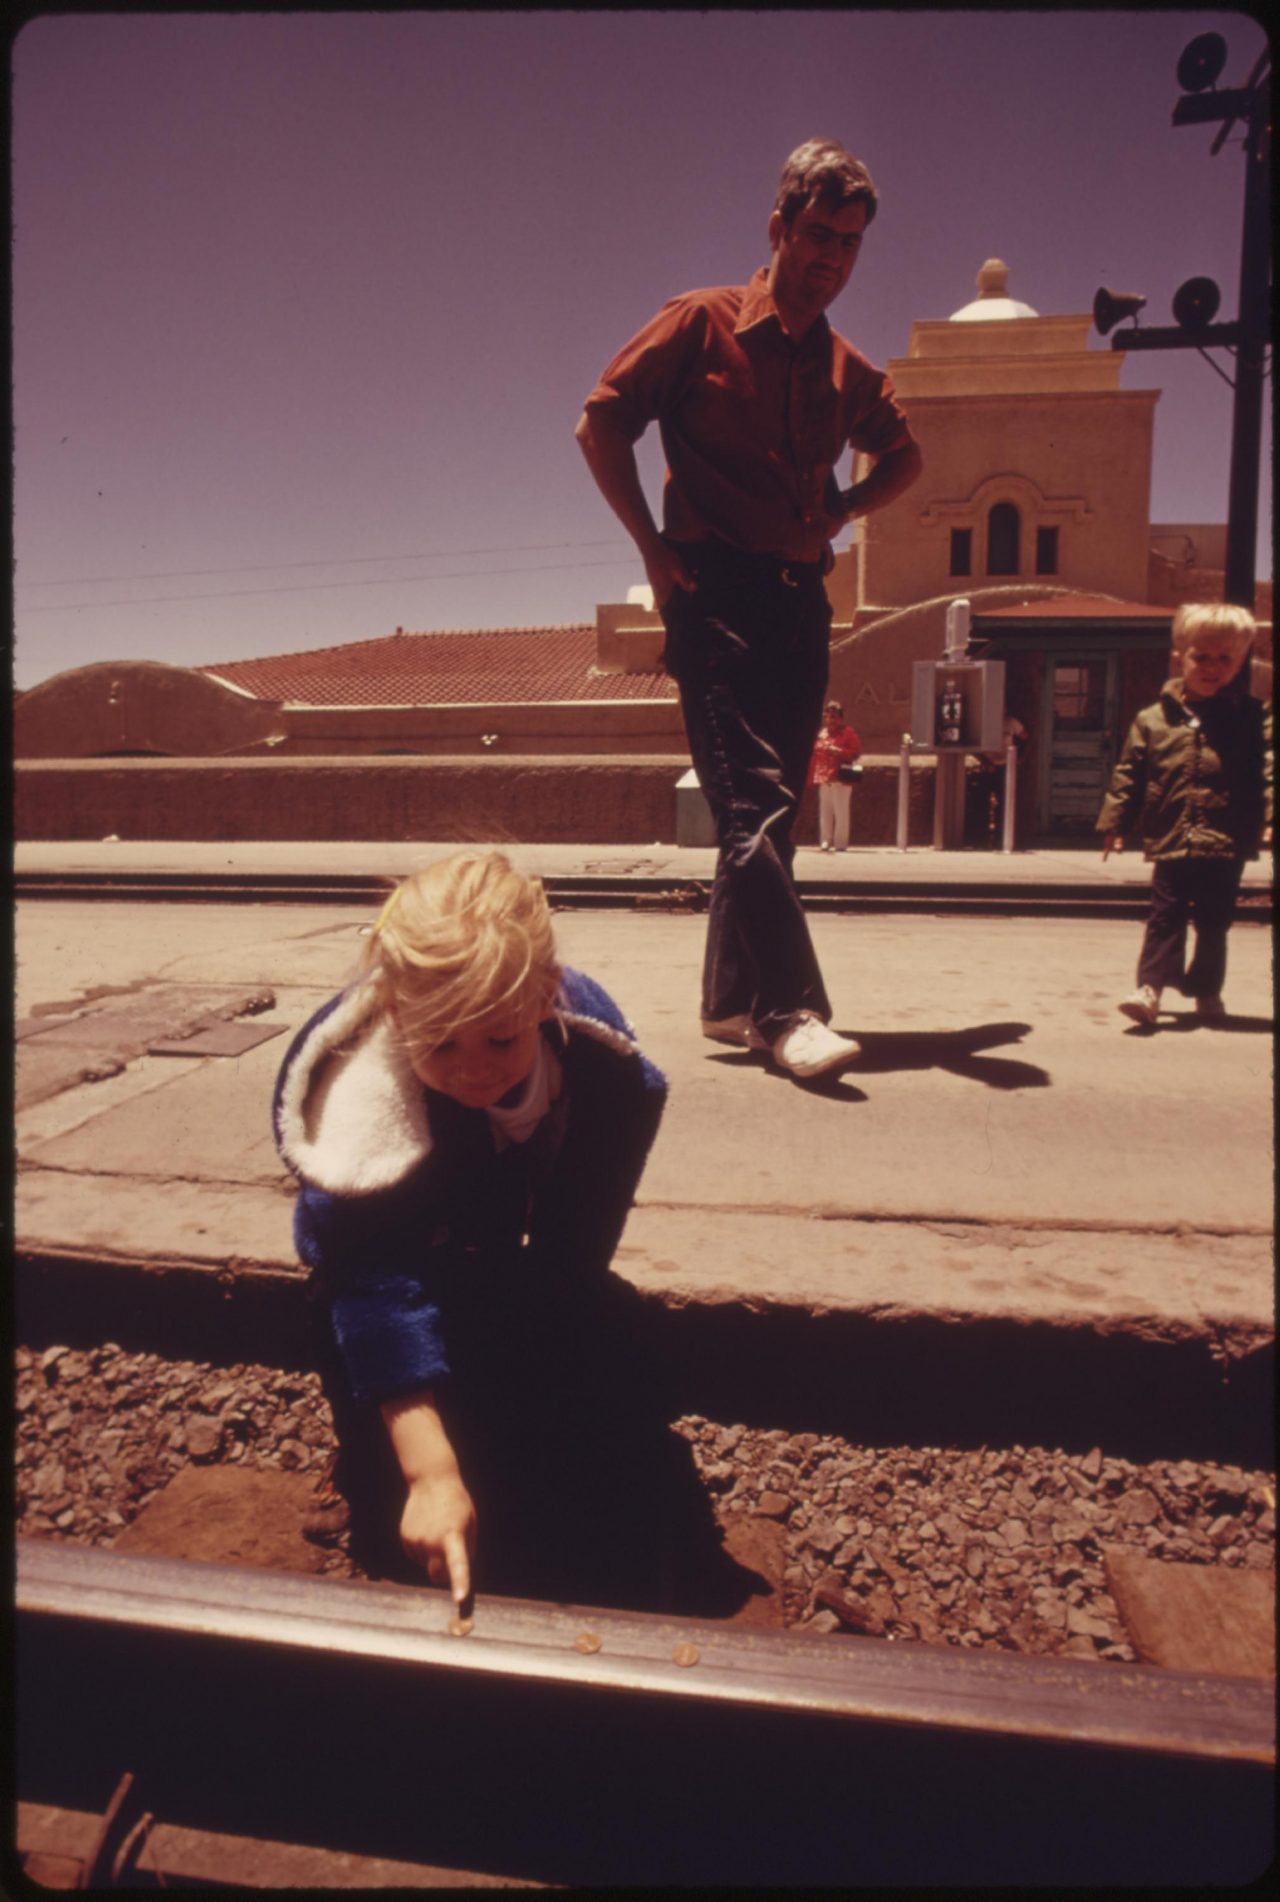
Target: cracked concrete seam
x=33 y=1167
x=966 y=1227
x=77 y=1008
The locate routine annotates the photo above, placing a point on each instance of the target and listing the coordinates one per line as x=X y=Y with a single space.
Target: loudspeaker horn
x=1109 y=307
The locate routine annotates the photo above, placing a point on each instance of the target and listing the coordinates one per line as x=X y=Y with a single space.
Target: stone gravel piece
x=997 y=1548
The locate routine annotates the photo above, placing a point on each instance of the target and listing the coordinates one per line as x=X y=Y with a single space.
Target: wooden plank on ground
x=1196 y=1617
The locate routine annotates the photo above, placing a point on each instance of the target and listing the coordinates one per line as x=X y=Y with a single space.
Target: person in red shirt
x=837 y=745
x=756 y=398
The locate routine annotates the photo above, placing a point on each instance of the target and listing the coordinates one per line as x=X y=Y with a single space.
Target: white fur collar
x=353 y=1118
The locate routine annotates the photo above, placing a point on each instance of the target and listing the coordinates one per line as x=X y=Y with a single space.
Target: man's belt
x=715 y=553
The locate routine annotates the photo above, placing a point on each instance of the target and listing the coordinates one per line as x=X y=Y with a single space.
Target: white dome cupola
x=993 y=302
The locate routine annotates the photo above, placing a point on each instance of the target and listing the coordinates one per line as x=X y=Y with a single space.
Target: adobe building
x=1034 y=506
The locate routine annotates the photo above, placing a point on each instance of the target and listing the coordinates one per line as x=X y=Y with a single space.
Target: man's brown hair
x=821 y=169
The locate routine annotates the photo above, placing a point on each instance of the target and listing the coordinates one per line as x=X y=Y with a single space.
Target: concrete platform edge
x=1138 y=1384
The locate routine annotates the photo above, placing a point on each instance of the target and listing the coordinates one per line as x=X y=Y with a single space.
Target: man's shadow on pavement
x=836 y=1087
x=958 y=1051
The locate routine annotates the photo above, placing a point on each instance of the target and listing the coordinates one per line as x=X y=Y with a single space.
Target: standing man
x=756 y=397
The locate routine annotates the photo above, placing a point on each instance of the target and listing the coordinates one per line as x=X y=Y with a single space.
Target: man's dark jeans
x=1202 y=892
x=749 y=652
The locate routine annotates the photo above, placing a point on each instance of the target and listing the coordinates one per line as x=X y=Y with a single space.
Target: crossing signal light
x=1201 y=62
x=1195 y=303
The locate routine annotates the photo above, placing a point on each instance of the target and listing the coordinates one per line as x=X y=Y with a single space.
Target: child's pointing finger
x=455 y=1557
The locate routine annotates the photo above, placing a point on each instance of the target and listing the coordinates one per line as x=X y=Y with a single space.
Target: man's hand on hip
x=666 y=572
x=890 y=476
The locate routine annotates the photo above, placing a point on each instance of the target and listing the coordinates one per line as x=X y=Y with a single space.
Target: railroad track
x=606 y=891
x=332 y=1732
x=243 y=1726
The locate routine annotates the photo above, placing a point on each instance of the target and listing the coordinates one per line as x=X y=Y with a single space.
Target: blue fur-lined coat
x=404 y=1193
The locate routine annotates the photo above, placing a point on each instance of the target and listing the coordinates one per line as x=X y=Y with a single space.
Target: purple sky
x=306 y=305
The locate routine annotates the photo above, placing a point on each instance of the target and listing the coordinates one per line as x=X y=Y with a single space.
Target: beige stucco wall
x=1019 y=410
x=1018 y=354
x=1080 y=462
x=140 y=706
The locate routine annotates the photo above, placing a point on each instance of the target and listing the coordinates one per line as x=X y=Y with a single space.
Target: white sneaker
x=809 y=1048
x=1143 y=1005
x=737 y=1030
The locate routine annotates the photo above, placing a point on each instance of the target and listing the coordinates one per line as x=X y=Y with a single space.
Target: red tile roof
x=514 y=664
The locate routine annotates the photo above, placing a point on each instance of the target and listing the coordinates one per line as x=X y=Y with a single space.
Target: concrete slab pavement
x=1009 y=1155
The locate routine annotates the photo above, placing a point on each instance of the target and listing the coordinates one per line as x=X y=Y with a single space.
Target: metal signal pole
x=1196 y=302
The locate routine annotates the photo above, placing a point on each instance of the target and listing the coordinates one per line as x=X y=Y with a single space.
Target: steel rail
x=573 y=1745
x=1137 y=1707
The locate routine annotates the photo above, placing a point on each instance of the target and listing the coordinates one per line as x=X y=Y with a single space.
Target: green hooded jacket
x=1197 y=774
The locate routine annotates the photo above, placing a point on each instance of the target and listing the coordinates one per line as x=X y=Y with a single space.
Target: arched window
x=1002 y=540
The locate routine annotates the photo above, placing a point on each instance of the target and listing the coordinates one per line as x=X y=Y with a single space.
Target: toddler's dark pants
x=1202 y=892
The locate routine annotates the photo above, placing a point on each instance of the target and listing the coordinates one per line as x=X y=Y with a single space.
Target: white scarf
x=517 y=1121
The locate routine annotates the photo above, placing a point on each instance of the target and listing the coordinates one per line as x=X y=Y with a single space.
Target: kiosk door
x=1079 y=719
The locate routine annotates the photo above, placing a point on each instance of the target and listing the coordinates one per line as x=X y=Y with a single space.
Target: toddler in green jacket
x=1196 y=771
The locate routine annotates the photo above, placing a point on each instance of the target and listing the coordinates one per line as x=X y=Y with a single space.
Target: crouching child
x=468 y=1122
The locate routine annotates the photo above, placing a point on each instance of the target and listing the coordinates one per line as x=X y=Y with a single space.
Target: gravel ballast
x=999 y=1548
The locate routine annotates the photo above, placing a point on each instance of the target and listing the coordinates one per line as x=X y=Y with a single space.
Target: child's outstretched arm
x=438 y=1525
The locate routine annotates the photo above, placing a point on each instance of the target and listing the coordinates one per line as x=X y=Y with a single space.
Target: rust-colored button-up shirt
x=752 y=423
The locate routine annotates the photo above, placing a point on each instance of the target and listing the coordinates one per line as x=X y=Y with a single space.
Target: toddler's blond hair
x=1222 y=618
x=464 y=939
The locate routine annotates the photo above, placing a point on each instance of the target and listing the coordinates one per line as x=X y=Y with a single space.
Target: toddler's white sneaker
x=1143 y=1005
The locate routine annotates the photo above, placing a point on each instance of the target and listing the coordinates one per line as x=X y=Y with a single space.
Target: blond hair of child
x=1221 y=619
x=464 y=939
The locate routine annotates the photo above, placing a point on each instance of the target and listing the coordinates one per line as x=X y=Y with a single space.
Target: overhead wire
x=332 y=561
x=313 y=587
